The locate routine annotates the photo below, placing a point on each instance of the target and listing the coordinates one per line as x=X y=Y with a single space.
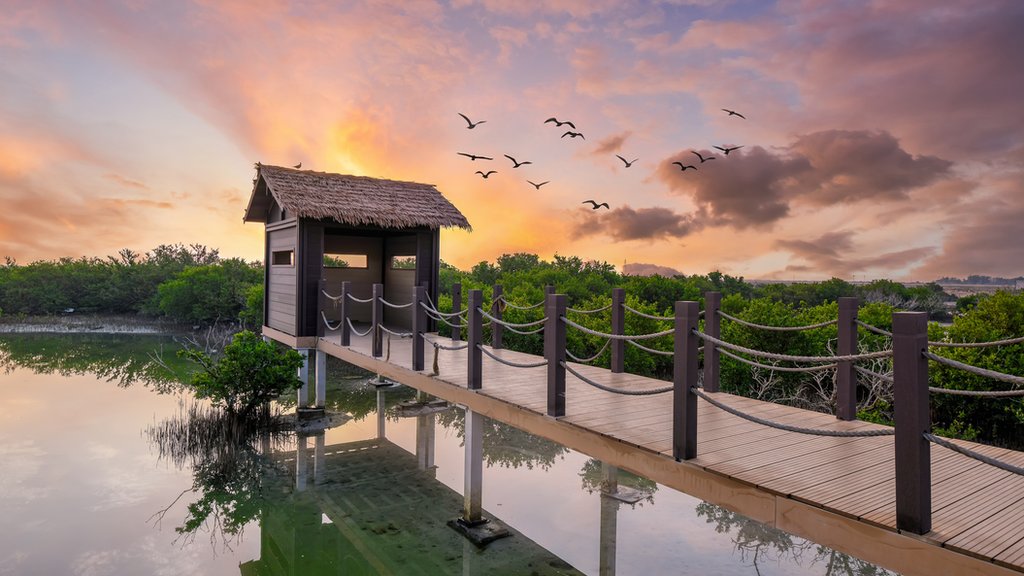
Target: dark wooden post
x=474 y=338
x=419 y=326
x=346 y=334
x=456 y=307
x=377 y=317
x=712 y=327
x=321 y=307
x=910 y=394
x=684 y=378
x=497 y=330
x=846 y=376
x=554 y=352
x=618 y=327
x=549 y=289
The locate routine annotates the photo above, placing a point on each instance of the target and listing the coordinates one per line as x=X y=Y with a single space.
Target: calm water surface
x=88 y=486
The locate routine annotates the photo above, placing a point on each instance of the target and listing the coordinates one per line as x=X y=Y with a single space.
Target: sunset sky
x=881 y=139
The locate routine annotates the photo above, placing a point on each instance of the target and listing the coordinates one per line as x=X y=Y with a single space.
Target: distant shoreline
x=89 y=324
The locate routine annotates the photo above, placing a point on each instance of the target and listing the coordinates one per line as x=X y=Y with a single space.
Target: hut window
x=403 y=262
x=345 y=261
x=283 y=258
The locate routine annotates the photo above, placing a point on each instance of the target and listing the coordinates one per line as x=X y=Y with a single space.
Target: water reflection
x=507 y=446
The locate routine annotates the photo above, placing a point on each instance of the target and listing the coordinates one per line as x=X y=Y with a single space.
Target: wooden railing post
x=554 y=352
x=618 y=327
x=497 y=330
x=548 y=289
x=474 y=338
x=910 y=395
x=346 y=334
x=684 y=379
x=712 y=327
x=456 y=307
x=376 y=318
x=419 y=326
x=846 y=376
x=321 y=307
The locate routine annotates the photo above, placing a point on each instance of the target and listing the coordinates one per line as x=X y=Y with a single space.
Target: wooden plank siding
x=837 y=491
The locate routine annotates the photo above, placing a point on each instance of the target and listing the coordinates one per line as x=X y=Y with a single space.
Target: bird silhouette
x=726 y=149
x=470 y=123
x=559 y=124
x=628 y=163
x=596 y=205
x=474 y=156
x=702 y=159
x=515 y=163
x=537 y=186
x=572 y=134
x=684 y=167
x=297 y=166
x=486 y=174
x=734 y=113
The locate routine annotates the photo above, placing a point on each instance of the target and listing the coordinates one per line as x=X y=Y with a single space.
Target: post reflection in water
x=609 y=519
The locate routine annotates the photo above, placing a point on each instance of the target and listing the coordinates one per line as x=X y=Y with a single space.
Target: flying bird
x=725 y=150
x=470 y=123
x=684 y=167
x=537 y=186
x=734 y=113
x=474 y=156
x=626 y=162
x=596 y=205
x=559 y=124
x=702 y=159
x=515 y=163
x=572 y=134
x=297 y=166
x=486 y=174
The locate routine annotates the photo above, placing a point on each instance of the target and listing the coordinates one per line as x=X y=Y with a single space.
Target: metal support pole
x=910 y=394
x=684 y=379
x=303 y=392
x=456 y=307
x=321 y=378
x=473 y=494
x=497 y=306
x=419 y=326
x=346 y=309
x=846 y=376
x=618 y=327
x=474 y=338
x=377 y=318
x=554 y=352
x=712 y=327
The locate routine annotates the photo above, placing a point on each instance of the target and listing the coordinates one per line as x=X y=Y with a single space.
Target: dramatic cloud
x=644 y=269
x=626 y=223
x=833 y=253
x=611 y=144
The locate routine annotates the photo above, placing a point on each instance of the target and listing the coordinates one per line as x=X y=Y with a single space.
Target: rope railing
x=357 y=332
x=430 y=307
x=646 y=315
x=790 y=428
x=612 y=389
x=327 y=322
x=626 y=337
x=359 y=300
x=393 y=333
x=501 y=322
x=594 y=311
x=501 y=360
x=333 y=298
x=873 y=374
x=975 y=455
x=523 y=332
x=650 y=350
x=874 y=329
x=517 y=307
x=590 y=359
x=1007 y=342
x=396 y=306
x=755 y=364
x=439 y=346
x=791 y=357
x=775 y=328
x=445 y=321
x=983 y=372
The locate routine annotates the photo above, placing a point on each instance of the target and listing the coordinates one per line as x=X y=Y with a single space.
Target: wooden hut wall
x=399 y=282
x=281 y=277
x=362 y=278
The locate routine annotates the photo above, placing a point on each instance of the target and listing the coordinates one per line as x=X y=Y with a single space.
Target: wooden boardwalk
x=836 y=491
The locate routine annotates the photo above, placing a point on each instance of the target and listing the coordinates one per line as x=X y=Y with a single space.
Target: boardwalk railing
x=909 y=377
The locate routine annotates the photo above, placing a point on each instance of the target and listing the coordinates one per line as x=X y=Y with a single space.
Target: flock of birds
x=574 y=133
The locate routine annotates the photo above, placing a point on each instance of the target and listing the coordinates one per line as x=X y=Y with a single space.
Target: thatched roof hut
x=355 y=200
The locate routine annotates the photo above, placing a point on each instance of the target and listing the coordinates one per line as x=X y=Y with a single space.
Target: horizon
x=877 y=140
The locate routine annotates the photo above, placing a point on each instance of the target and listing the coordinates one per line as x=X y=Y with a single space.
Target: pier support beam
x=846 y=376
x=684 y=378
x=910 y=396
x=303 y=392
x=712 y=327
x=554 y=352
x=320 y=373
x=472 y=523
x=618 y=347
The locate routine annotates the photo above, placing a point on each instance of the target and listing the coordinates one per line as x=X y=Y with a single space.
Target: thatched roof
x=354 y=200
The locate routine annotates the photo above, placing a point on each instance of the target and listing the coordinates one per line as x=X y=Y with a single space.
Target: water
x=96 y=478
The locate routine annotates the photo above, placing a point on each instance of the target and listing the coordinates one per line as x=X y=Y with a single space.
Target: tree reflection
x=759 y=541
x=595 y=480
x=230 y=471
x=506 y=445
